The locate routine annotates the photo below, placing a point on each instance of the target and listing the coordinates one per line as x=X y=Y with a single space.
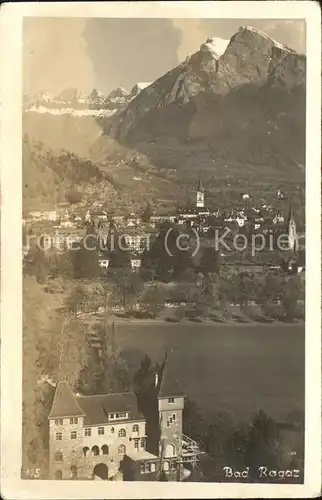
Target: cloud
x=55 y=55
x=106 y=53
x=193 y=32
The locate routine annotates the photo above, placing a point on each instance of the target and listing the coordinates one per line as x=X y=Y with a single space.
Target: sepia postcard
x=160 y=250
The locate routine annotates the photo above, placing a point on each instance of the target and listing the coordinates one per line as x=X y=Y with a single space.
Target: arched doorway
x=73 y=472
x=169 y=451
x=100 y=471
x=58 y=474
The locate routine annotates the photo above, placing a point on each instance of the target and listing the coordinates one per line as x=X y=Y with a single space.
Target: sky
x=83 y=53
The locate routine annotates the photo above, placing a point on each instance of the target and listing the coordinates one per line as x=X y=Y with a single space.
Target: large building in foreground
x=105 y=436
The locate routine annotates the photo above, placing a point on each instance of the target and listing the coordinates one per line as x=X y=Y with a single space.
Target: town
x=184 y=255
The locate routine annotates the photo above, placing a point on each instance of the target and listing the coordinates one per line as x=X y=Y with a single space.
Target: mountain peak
x=258 y=32
x=215 y=46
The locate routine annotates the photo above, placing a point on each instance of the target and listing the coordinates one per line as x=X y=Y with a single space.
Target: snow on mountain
x=73 y=102
x=138 y=87
x=216 y=46
x=71 y=111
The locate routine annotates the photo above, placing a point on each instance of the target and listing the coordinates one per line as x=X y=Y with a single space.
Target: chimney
x=156 y=379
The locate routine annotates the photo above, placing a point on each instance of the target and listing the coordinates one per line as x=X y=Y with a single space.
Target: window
x=174 y=417
x=143 y=444
x=85 y=451
x=112 y=430
x=59 y=436
x=95 y=450
x=59 y=421
x=73 y=420
x=122 y=433
x=88 y=432
x=147 y=467
x=100 y=431
x=171 y=400
x=122 y=450
x=73 y=435
x=105 y=449
x=118 y=416
x=136 y=444
x=58 y=474
x=58 y=456
x=168 y=425
x=73 y=471
x=170 y=420
x=135 y=428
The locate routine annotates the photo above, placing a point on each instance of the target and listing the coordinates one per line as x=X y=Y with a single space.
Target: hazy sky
x=104 y=53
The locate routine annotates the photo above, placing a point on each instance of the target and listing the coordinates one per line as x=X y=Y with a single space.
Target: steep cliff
x=245 y=97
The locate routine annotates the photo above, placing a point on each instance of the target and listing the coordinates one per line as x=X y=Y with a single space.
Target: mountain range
x=236 y=104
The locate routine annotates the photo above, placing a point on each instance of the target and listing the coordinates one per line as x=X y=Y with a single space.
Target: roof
x=97 y=408
x=141 y=455
x=170 y=385
x=65 y=403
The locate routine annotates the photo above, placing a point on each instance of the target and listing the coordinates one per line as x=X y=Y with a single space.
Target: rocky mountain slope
x=241 y=99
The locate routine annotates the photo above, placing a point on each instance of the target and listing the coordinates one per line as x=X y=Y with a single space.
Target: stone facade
x=86 y=451
x=170 y=412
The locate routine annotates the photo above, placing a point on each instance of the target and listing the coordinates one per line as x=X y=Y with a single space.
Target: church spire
x=291 y=226
x=290 y=217
x=200 y=203
x=200 y=186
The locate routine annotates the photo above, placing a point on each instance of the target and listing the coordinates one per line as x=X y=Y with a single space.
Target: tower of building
x=291 y=227
x=200 y=193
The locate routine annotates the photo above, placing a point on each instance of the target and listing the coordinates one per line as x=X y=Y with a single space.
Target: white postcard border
x=12 y=486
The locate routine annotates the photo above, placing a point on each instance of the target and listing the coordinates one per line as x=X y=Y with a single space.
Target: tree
x=154 y=299
x=293 y=292
x=210 y=260
x=36 y=264
x=73 y=196
x=147 y=213
x=106 y=370
x=86 y=258
x=263 y=441
x=146 y=391
x=127 y=287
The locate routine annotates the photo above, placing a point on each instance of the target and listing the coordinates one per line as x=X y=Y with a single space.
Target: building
x=104 y=436
x=90 y=435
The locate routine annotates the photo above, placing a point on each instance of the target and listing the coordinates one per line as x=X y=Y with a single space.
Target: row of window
x=104 y=450
x=101 y=432
x=171 y=420
x=95 y=451
x=146 y=468
x=117 y=416
x=111 y=416
x=60 y=421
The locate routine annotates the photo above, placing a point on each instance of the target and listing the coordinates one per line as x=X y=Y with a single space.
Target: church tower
x=200 y=193
x=291 y=226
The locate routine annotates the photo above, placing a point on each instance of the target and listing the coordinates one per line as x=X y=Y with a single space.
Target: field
x=236 y=368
